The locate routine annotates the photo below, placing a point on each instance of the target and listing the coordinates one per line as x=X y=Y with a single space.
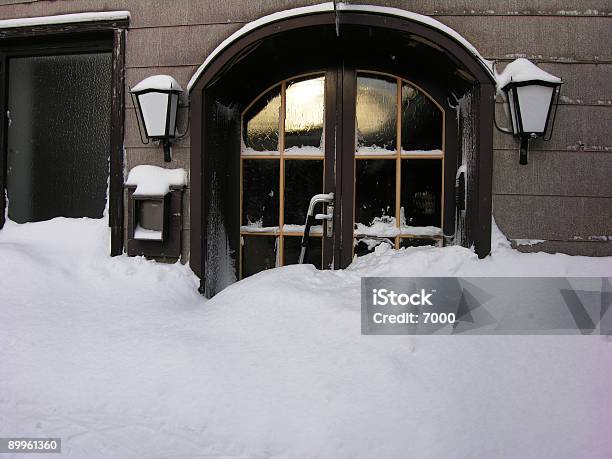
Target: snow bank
x=154 y=180
x=65 y=19
x=159 y=82
x=521 y=70
x=121 y=357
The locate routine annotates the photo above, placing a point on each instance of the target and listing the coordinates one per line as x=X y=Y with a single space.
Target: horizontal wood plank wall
x=564 y=194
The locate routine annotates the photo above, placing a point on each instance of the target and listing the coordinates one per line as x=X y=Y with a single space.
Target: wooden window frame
x=280 y=234
x=61 y=39
x=398 y=156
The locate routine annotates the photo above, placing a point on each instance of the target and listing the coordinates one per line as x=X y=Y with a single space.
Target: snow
x=434 y=153
x=422 y=230
x=121 y=357
x=248 y=151
x=329 y=7
x=159 y=82
x=374 y=151
x=154 y=180
x=521 y=70
x=379 y=151
x=65 y=19
x=147 y=234
x=314 y=229
x=303 y=150
x=384 y=226
x=258 y=228
x=528 y=241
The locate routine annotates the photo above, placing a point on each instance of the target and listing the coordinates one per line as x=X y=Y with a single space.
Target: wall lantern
x=531 y=96
x=157 y=100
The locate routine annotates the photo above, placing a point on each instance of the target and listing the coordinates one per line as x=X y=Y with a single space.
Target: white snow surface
x=160 y=82
x=65 y=19
x=121 y=357
x=521 y=70
x=154 y=180
x=147 y=234
x=329 y=7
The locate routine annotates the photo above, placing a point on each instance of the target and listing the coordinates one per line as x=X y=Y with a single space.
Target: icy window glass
x=421 y=122
x=258 y=253
x=303 y=179
x=421 y=195
x=293 y=247
x=376 y=115
x=260 y=194
x=304 y=116
x=58 y=135
x=261 y=123
x=375 y=197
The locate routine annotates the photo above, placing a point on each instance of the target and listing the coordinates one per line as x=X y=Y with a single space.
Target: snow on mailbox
x=532 y=96
x=157 y=103
x=154 y=212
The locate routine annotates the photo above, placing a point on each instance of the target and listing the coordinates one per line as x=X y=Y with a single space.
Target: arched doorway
x=383 y=109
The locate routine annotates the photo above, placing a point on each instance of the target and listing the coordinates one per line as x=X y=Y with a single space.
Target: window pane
x=303 y=179
x=304 y=117
x=314 y=255
x=421 y=195
x=375 y=197
x=421 y=122
x=366 y=245
x=376 y=115
x=260 y=124
x=260 y=202
x=258 y=253
x=59 y=109
x=418 y=242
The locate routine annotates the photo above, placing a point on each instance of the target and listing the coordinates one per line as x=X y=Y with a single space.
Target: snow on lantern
x=157 y=100
x=531 y=95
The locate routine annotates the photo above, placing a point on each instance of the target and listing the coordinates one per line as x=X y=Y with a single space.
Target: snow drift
x=122 y=358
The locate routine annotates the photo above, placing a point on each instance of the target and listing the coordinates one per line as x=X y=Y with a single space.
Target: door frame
x=215 y=93
x=109 y=35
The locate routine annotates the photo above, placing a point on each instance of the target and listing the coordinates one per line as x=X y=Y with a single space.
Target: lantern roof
x=158 y=82
x=522 y=70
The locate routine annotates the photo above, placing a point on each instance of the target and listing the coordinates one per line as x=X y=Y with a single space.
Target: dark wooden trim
x=346 y=168
x=3 y=136
x=197 y=213
x=437 y=38
x=331 y=80
x=115 y=204
x=62 y=29
x=481 y=229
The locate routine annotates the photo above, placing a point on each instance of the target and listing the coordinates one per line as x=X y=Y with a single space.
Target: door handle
x=310 y=217
x=328 y=218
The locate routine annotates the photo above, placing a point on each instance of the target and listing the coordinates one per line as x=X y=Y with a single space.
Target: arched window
x=398 y=171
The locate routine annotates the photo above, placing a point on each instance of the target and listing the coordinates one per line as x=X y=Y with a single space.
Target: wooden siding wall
x=563 y=196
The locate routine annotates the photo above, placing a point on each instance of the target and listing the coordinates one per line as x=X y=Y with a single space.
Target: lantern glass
x=534 y=102
x=154 y=109
x=173 y=111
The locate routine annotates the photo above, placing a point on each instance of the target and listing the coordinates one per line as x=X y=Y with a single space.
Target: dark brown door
x=372 y=139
